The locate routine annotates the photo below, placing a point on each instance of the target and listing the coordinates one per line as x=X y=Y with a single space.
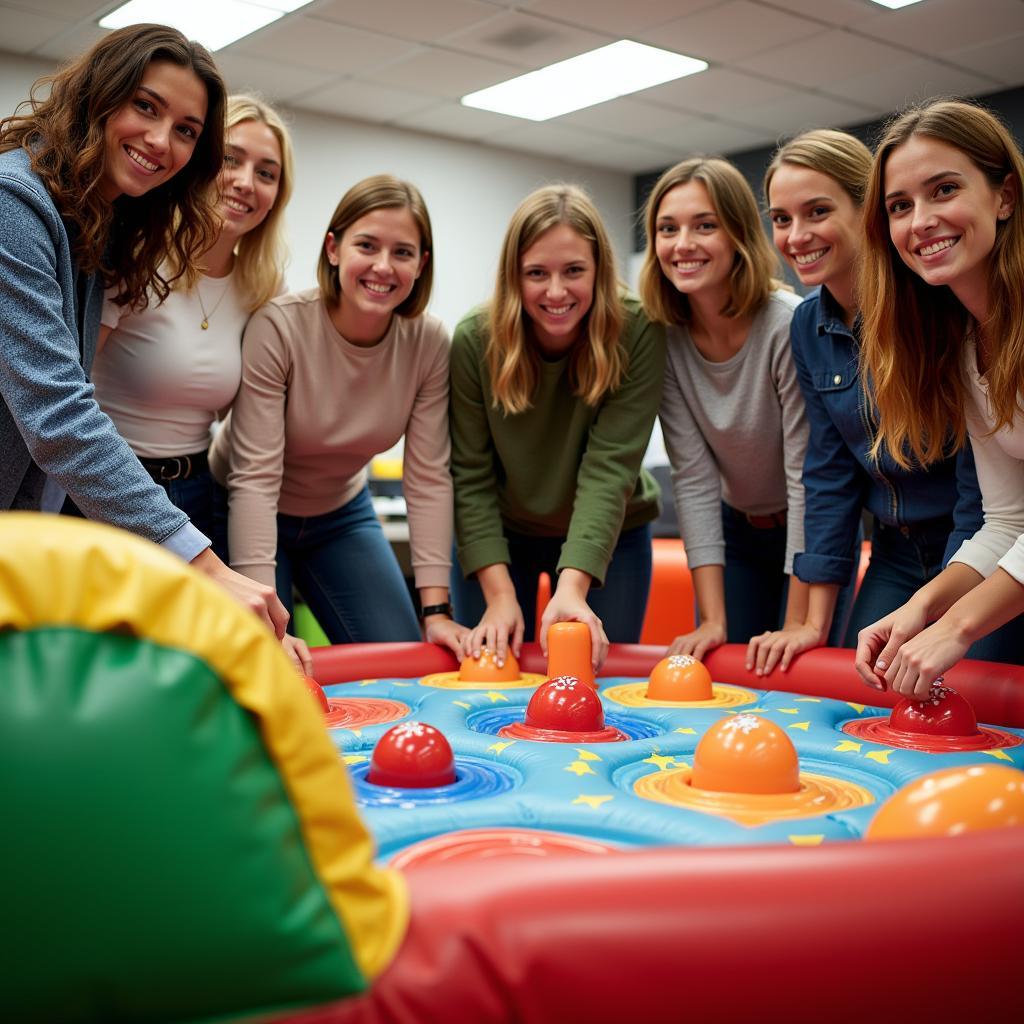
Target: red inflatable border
x=926 y=929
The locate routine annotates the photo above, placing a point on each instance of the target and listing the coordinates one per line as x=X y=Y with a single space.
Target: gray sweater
x=736 y=432
x=50 y=424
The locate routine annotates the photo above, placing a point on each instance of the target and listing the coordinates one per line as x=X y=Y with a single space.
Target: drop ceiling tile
x=829 y=57
x=624 y=19
x=798 y=112
x=450 y=118
x=322 y=45
x=23 y=32
x=715 y=91
x=628 y=155
x=422 y=22
x=704 y=135
x=366 y=101
x=439 y=72
x=269 y=78
x=71 y=10
x=910 y=82
x=627 y=117
x=729 y=31
x=72 y=42
x=556 y=140
x=935 y=26
x=525 y=41
x=1001 y=59
x=842 y=13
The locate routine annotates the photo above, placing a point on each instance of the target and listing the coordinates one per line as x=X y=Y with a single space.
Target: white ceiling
x=777 y=66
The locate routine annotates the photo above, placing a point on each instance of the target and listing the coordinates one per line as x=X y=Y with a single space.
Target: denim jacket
x=50 y=424
x=840 y=479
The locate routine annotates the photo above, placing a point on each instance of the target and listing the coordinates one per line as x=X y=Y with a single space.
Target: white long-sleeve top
x=736 y=432
x=999 y=459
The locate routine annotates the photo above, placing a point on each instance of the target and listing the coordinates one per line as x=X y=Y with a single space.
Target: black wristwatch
x=436 y=609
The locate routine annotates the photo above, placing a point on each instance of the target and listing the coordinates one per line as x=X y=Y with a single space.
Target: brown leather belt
x=176 y=467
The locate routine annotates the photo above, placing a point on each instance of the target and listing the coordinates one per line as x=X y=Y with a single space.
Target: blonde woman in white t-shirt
x=164 y=373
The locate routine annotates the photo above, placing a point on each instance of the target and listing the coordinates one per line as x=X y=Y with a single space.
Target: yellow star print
x=881 y=756
x=847 y=746
x=587 y=755
x=788 y=711
x=663 y=761
x=815 y=840
x=355 y=758
x=1002 y=755
x=580 y=768
x=859 y=708
x=687 y=732
x=495 y=696
x=592 y=801
x=500 y=747
x=462 y=704
x=801 y=725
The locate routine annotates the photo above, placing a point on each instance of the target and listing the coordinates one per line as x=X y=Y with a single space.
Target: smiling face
x=556 y=276
x=251 y=177
x=154 y=134
x=942 y=214
x=379 y=259
x=815 y=226
x=694 y=250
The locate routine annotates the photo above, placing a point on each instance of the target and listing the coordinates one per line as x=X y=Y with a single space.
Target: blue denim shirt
x=840 y=478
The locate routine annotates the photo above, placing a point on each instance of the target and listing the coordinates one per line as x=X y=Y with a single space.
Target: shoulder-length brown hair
x=125 y=241
x=756 y=272
x=597 y=364
x=380 y=192
x=913 y=333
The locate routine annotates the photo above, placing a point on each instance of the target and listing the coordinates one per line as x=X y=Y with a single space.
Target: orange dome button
x=412 y=755
x=681 y=678
x=318 y=693
x=746 y=754
x=952 y=801
x=944 y=712
x=569 y=651
x=486 y=669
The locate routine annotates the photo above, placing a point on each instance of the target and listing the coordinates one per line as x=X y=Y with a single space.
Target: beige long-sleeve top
x=311 y=412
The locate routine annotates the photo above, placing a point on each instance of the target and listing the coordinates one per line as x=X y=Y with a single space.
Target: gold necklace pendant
x=205 y=325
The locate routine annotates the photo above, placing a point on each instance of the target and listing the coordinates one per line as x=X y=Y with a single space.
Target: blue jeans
x=346 y=572
x=904 y=559
x=201 y=498
x=620 y=604
x=756 y=585
x=205 y=502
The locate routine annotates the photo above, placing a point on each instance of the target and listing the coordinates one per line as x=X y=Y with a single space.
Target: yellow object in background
x=383 y=467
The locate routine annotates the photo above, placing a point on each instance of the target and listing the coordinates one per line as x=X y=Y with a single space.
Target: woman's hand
x=921 y=661
x=706 y=637
x=780 y=647
x=446 y=632
x=878 y=643
x=297 y=650
x=260 y=599
x=566 y=605
x=500 y=628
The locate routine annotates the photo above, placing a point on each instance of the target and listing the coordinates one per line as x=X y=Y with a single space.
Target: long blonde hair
x=597 y=363
x=913 y=333
x=756 y=271
x=262 y=253
x=838 y=155
x=380 y=192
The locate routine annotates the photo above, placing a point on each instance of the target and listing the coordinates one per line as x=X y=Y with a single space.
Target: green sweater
x=560 y=469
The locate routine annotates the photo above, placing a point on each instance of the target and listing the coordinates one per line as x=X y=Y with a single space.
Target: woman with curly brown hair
x=100 y=183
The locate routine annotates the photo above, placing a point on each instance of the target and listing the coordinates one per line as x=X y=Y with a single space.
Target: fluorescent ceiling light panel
x=595 y=77
x=895 y=5
x=214 y=23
